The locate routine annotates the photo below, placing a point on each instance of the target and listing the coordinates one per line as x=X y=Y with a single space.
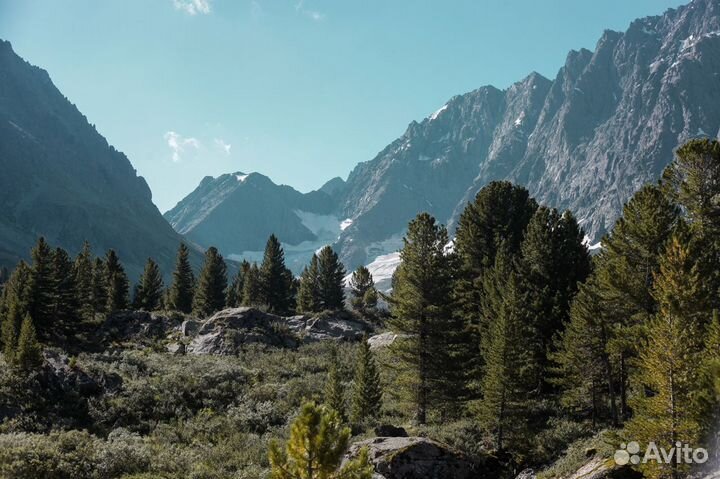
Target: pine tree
x=421 y=309
x=9 y=328
x=150 y=287
x=275 y=279
x=13 y=308
x=210 y=294
x=308 y=296
x=708 y=396
x=331 y=274
x=235 y=290
x=41 y=285
x=252 y=293
x=29 y=353
x=100 y=287
x=117 y=283
x=182 y=290
x=315 y=449
x=334 y=391
x=361 y=283
x=667 y=370
x=83 y=270
x=65 y=304
x=510 y=380
x=366 y=399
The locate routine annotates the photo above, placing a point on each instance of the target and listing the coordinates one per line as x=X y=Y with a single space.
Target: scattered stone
x=383 y=340
x=176 y=348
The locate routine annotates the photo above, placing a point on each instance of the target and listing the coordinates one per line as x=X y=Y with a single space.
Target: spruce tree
x=65 y=304
x=83 y=270
x=275 y=279
x=13 y=308
x=421 y=310
x=234 y=295
x=334 y=391
x=210 y=294
x=510 y=381
x=252 y=289
x=666 y=413
x=100 y=287
x=117 y=283
x=28 y=354
x=366 y=399
x=182 y=290
x=150 y=288
x=308 y=296
x=318 y=440
x=42 y=294
x=361 y=283
x=331 y=274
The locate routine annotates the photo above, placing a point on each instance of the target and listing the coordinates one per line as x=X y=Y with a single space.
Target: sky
x=299 y=90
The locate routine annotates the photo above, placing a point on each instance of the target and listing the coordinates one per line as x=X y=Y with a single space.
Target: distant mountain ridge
x=61 y=179
x=585 y=141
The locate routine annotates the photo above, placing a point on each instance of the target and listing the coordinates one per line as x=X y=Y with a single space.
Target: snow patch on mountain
x=381 y=269
x=346 y=223
x=435 y=115
x=241 y=177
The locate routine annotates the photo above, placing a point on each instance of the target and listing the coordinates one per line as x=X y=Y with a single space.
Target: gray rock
x=189 y=327
x=138 y=327
x=382 y=340
x=415 y=458
x=176 y=348
x=341 y=328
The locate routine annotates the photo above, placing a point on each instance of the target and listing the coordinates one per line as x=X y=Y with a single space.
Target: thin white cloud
x=311 y=14
x=193 y=7
x=225 y=147
x=179 y=144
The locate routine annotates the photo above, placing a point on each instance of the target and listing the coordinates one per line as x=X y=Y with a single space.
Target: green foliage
x=28 y=354
x=366 y=399
x=331 y=272
x=421 y=309
x=275 y=279
x=150 y=288
x=182 y=290
x=252 y=289
x=99 y=287
x=362 y=289
x=117 y=283
x=83 y=272
x=234 y=293
x=210 y=294
x=42 y=291
x=334 y=392
x=315 y=449
x=309 y=290
x=65 y=301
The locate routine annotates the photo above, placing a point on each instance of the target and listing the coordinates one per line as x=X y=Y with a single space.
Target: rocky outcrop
x=341 y=327
x=383 y=340
x=138 y=327
x=420 y=458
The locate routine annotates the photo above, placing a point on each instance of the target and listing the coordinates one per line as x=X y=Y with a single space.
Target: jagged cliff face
x=60 y=178
x=586 y=141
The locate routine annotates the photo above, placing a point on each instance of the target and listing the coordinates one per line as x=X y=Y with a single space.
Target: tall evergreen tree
x=210 y=294
x=234 y=295
x=182 y=290
x=667 y=415
x=275 y=279
x=42 y=287
x=308 y=297
x=65 y=304
x=117 y=283
x=315 y=449
x=361 y=283
x=366 y=399
x=421 y=309
x=334 y=391
x=100 y=287
x=150 y=287
x=28 y=354
x=252 y=289
x=83 y=270
x=509 y=350
x=14 y=306
x=331 y=274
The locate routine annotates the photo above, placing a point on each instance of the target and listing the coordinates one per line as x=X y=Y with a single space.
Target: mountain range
x=62 y=180
x=585 y=141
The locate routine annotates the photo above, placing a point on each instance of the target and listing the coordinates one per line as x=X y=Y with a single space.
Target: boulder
x=139 y=327
x=383 y=340
x=339 y=327
x=418 y=458
x=227 y=331
x=189 y=327
x=58 y=374
x=176 y=348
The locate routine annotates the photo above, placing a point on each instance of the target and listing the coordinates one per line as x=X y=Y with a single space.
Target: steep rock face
x=61 y=179
x=586 y=140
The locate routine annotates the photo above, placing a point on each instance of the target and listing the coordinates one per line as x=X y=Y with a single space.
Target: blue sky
x=298 y=90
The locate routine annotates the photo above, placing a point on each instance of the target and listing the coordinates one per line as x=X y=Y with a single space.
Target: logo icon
x=628 y=453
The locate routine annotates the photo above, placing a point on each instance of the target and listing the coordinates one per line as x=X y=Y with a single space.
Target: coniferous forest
x=506 y=342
